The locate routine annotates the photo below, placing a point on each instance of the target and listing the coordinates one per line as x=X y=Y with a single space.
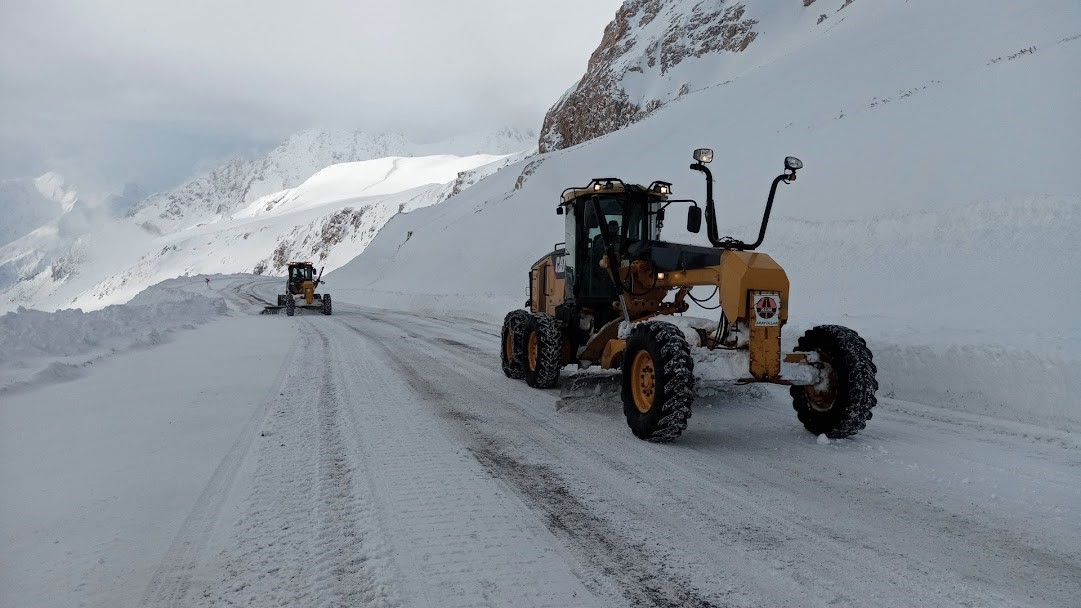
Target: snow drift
x=43 y=347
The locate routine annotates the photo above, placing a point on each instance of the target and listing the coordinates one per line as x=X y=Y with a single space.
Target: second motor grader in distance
x=600 y=299
x=300 y=285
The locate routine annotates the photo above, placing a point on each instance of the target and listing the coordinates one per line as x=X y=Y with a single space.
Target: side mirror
x=660 y=215
x=792 y=163
x=703 y=155
x=694 y=219
x=559 y=210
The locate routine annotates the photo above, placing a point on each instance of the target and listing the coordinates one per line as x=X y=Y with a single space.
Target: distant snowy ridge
x=328 y=220
x=29 y=203
x=54 y=187
x=239 y=182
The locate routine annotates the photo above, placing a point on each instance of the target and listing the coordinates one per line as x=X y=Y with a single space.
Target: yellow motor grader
x=301 y=283
x=600 y=298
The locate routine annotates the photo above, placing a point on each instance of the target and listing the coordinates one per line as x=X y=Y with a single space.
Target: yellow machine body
x=609 y=295
x=739 y=277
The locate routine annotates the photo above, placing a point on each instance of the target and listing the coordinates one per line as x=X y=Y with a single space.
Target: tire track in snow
x=755 y=506
x=306 y=537
x=172 y=580
x=341 y=567
x=462 y=538
x=606 y=553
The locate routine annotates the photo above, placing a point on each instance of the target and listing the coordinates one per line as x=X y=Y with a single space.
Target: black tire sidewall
x=647 y=336
x=546 y=374
x=515 y=324
x=854 y=373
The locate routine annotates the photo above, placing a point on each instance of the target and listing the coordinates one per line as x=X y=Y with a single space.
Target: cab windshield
x=624 y=223
x=301 y=273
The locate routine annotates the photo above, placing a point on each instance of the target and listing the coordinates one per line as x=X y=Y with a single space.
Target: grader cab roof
x=609 y=185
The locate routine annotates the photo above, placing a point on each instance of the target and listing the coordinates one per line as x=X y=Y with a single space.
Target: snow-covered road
x=377 y=458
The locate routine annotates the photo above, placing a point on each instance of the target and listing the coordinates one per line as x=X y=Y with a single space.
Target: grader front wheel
x=840 y=405
x=658 y=381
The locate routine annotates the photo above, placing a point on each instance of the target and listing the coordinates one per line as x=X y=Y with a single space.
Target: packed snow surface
x=381 y=458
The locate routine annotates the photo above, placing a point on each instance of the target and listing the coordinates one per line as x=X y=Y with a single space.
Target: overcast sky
x=142 y=89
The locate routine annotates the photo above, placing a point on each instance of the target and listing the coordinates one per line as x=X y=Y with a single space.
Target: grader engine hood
x=746 y=272
x=737 y=273
x=753 y=291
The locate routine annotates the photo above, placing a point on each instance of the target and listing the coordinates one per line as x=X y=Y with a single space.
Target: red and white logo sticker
x=767 y=309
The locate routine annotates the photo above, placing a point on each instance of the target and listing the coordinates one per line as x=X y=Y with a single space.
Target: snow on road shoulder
x=45 y=347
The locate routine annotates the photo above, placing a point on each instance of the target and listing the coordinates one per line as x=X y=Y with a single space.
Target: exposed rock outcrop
x=646 y=36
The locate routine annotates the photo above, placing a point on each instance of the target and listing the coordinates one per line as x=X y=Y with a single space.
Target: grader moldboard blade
x=717 y=376
x=588 y=391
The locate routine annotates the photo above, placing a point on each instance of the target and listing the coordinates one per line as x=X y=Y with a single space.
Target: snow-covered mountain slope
x=328 y=219
x=248 y=215
x=936 y=212
x=656 y=51
x=31 y=202
x=240 y=182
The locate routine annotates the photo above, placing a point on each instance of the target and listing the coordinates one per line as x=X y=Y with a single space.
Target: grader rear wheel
x=543 y=347
x=658 y=381
x=512 y=351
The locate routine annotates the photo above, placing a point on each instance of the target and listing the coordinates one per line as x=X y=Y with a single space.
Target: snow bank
x=55 y=346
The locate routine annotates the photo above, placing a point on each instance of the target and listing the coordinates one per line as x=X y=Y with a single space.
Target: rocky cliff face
x=646 y=45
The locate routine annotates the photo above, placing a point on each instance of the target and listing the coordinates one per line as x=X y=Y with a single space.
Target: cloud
x=257 y=70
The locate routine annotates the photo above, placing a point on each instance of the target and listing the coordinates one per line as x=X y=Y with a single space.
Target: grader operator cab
x=600 y=299
x=300 y=285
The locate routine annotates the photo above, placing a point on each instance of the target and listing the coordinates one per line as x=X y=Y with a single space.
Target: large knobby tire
x=658 y=381
x=512 y=350
x=290 y=306
x=842 y=407
x=328 y=307
x=281 y=300
x=543 y=347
